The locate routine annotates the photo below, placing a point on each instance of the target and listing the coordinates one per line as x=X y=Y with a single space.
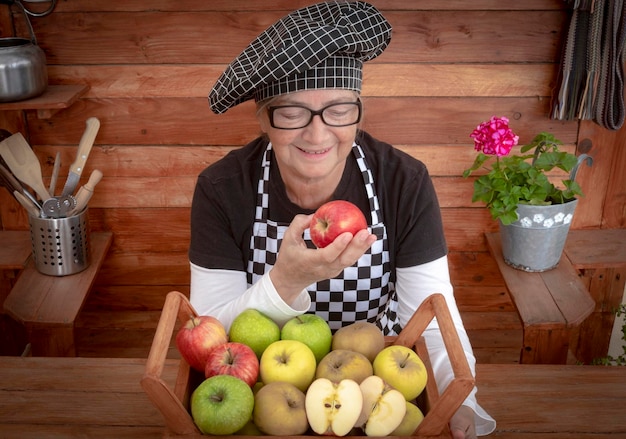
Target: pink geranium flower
x=494 y=137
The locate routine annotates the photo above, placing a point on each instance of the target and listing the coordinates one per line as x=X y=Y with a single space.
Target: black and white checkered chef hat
x=319 y=46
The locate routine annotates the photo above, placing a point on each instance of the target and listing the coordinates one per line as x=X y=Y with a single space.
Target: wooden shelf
x=55 y=98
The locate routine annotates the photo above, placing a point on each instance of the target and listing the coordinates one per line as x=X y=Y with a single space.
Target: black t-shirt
x=225 y=198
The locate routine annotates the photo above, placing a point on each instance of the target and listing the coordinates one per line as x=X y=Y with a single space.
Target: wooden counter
x=102 y=398
x=47 y=306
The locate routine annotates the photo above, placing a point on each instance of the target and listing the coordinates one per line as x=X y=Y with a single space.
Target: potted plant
x=534 y=214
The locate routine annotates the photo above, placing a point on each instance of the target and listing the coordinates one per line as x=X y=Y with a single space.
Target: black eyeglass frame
x=313 y=113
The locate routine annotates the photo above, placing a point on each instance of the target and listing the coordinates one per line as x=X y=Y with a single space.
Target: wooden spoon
x=23 y=162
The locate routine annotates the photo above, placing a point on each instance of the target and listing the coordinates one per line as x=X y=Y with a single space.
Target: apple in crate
x=334 y=218
x=342 y=364
x=279 y=409
x=290 y=361
x=333 y=408
x=383 y=407
x=222 y=405
x=234 y=359
x=412 y=419
x=364 y=337
x=310 y=329
x=403 y=369
x=197 y=337
x=253 y=328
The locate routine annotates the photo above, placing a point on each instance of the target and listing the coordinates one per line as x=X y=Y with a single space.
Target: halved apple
x=383 y=407
x=333 y=408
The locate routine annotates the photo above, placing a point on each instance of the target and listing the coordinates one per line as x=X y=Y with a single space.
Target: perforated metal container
x=61 y=245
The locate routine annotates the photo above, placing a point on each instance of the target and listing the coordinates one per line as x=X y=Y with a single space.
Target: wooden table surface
x=102 y=398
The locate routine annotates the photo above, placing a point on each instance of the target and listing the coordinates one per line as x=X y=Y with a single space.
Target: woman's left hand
x=462 y=424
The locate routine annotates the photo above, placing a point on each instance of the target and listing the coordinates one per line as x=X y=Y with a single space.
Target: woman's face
x=317 y=151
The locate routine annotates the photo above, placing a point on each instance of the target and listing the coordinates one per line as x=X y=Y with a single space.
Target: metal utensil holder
x=61 y=245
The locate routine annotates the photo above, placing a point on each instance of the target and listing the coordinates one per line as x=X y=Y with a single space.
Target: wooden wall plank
x=419 y=36
x=288 y=5
x=175 y=121
x=379 y=79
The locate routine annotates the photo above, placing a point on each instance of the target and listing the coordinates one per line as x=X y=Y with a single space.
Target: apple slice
x=383 y=407
x=333 y=408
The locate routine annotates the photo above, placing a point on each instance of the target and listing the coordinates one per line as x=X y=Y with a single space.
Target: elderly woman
x=250 y=244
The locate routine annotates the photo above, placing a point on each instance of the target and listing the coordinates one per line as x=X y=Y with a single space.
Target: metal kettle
x=23 y=71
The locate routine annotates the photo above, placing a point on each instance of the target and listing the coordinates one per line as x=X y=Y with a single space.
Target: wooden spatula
x=23 y=162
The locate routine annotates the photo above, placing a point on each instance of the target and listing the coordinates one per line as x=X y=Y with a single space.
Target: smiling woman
x=251 y=238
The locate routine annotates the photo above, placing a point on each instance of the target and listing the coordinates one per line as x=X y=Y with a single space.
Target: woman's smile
x=314 y=152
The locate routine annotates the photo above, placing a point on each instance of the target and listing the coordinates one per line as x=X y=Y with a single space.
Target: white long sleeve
x=224 y=294
x=413 y=285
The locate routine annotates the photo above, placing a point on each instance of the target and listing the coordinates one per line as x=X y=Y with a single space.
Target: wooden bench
x=102 y=398
x=551 y=305
x=15 y=250
x=47 y=306
x=600 y=258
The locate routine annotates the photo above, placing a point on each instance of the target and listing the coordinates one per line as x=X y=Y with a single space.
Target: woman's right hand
x=297 y=266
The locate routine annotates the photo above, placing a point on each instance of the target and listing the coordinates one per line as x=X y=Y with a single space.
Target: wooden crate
x=173 y=403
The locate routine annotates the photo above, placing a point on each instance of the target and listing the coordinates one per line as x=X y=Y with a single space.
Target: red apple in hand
x=197 y=337
x=232 y=358
x=334 y=218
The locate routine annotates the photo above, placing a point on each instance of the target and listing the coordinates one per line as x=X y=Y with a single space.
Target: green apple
x=333 y=408
x=364 y=337
x=279 y=410
x=253 y=328
x=383 y=407
x=290 y=361
x=403 y=369
x=412 y=419
x=221 y=405
x=342 y=364
x=310 y=329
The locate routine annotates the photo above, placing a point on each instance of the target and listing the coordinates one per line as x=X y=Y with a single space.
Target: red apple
x=232 y=358
x=334 y=218
x=197 y=337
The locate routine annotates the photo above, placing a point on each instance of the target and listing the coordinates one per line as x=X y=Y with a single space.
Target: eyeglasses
x=293 y=117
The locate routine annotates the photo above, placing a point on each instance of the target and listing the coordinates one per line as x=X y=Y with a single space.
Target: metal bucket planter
x=535 y=241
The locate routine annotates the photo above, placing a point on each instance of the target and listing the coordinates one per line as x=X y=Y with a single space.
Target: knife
x=84 y=148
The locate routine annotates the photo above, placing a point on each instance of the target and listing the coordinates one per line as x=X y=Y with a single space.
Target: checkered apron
x=360 y=292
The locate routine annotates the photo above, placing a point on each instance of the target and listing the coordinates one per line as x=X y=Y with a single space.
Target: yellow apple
x=403 y=369
x=342 y=364
x=412 y=419
x=364 y=337
x=333 y=408
x=288 y=360
x=279 y=410
x=383 y=407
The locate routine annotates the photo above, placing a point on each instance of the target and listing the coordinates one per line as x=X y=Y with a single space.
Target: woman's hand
x=462 y=424
x=297 y=266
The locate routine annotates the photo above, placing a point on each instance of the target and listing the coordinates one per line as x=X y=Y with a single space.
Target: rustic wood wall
x=150 y=66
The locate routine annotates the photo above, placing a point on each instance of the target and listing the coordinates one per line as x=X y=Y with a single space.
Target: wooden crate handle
x=176 y=415
x=436 y=421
